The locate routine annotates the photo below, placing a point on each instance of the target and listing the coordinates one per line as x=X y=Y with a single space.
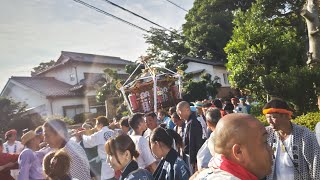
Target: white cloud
x=37 y=31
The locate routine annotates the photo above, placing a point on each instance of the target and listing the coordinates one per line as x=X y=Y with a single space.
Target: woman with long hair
x=171 y=166
x=121 y=152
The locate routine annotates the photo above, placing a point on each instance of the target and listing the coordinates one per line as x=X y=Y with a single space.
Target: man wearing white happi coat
x=99 y=139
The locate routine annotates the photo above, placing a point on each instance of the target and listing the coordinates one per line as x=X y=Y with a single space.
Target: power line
x=136 y=26
x=135 y=14
x=111 y=15
x=177 y=6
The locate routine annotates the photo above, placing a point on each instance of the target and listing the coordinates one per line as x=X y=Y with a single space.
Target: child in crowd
x=56 y=166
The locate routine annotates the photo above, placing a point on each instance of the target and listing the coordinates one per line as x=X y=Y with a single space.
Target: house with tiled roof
x=216 y=68
x=68 y=87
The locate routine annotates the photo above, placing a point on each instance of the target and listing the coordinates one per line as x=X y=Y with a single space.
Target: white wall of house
x=221 y=72
x=69 y=73
x=62 y=74
x=58 y=104
x=20 y=93
x=33 y=100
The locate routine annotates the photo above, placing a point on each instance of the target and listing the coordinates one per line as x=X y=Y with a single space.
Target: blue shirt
x=168 y=121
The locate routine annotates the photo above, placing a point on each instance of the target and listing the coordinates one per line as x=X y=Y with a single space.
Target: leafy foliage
x=209 y=26
x=10 y=111
x=109 y=88
x=258 y=48
x=41 y=67
x=207 y=29
x=199 y=90
x=266 y=56
x=296 y=86
x=263 y=119
x=82 y=117
x=308 y=120
x=256 y=109
x=131 y=67
x=166 y=46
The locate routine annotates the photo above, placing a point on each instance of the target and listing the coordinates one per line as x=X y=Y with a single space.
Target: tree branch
x=314 y=32
x=306 y=14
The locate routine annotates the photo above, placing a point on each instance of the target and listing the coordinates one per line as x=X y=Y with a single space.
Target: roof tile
x=48 y=86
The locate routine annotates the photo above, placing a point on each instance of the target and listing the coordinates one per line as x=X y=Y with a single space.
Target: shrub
x=256 y=109
x=65 y=119
x=309 y=120
x=263 y=119
x=82 y=117
x=68 y=120
x=29 y=122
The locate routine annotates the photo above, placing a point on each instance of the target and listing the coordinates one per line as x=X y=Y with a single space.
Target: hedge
x=82 y=117
x=309 y=120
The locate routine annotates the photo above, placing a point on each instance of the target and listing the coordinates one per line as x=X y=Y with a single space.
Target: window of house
x=93 y=75
x=71 y=111
x=225 y=78
x=96 y=107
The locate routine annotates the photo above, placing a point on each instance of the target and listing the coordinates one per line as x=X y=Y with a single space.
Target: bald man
x=241 y=140
x=193 y=134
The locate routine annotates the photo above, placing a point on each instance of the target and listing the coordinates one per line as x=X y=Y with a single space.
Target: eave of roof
x=202 y=61
x=46 y=86
x=67 y=56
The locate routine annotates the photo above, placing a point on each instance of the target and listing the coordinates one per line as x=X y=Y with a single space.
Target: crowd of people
x=200 y=140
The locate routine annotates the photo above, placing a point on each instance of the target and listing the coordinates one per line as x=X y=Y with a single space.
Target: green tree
x=41 y=67
x=209 y=26
x=10 y=111
x=296 y=86
x=258 y=48
x=166 y=46
x=266 y=54
x=199 y=90
x=109 y=89
x=207 y=29
x=131 y=67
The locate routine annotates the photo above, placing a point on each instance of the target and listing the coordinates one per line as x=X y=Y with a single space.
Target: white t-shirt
x=16 y=148
x=98 y=139
x=284 y=165
x=147 y=133
x=145 y=158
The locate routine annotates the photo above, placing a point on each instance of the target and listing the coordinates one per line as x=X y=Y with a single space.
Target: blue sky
x=36 y=31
